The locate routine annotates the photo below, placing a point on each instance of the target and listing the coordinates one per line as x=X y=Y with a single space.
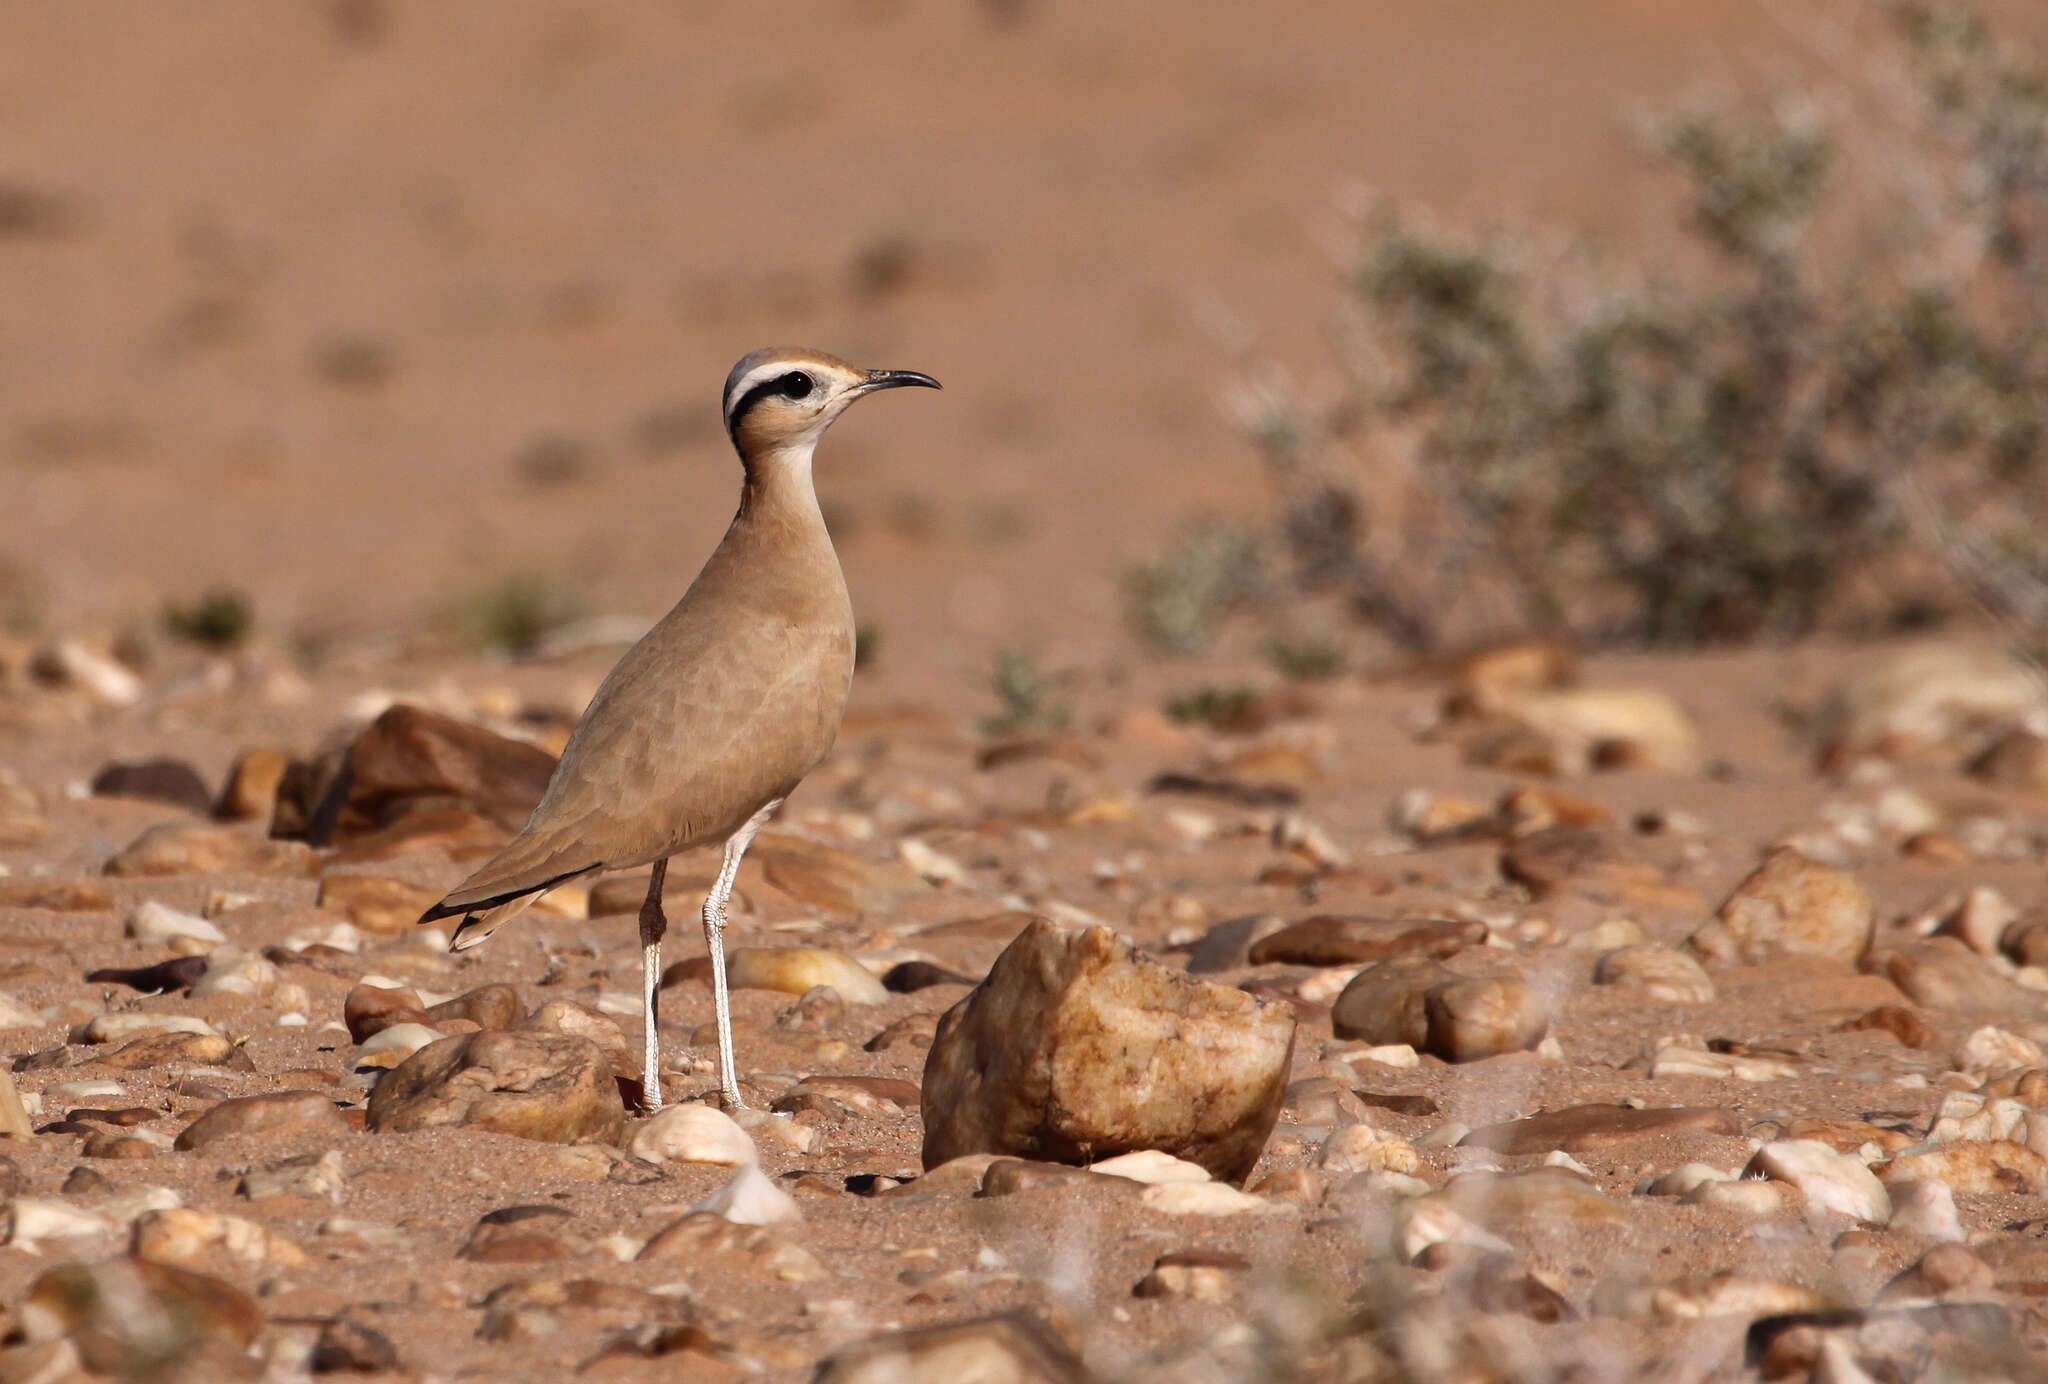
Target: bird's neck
x=778 y=489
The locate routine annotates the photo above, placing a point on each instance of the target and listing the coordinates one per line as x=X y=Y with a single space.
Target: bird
x=706 y=725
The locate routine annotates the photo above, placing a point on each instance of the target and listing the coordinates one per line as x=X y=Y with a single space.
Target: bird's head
x=781 y=399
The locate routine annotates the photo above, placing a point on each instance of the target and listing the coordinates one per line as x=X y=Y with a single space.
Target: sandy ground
x=358 y=306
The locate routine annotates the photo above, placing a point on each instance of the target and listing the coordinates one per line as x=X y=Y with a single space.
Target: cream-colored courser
x=709 y=721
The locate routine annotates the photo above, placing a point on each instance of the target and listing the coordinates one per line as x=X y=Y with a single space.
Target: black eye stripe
x=794 y=385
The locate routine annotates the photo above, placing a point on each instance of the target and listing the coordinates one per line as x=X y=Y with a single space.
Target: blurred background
x=1381 y=325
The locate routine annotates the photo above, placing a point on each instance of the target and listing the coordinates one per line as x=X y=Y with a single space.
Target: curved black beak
x=897 y=379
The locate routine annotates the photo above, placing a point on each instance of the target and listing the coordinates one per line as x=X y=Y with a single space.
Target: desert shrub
x=219 y=619
x=1031 y=701
x=514 y=614
x=1808 y=427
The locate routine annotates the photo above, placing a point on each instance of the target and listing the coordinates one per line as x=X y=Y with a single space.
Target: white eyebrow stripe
x=760 y=374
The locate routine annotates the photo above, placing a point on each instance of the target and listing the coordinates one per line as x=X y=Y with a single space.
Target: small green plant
x=1178 y=602
x=1306 y=658
x=219 y=619
x=1030 y=700
x=1219 y=708
x=514 y=614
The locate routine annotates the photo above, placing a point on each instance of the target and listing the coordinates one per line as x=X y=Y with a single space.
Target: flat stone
x=1662 y=973
x=1329 y=940
x=1420 y=1003
x=186 y=1235
x=1788 y=906
x=262 y=1114
x=1592 y=1128
x=1974 y=1165
x=375 y=903
x=551 y=1087
x=319 y=1176
x=711 y=1243
x=183 y=848
x=1943 y=973
x=169 y=781
x=162 y=1049
x=794 y=970
x=1076 y=1048
x=55 y=895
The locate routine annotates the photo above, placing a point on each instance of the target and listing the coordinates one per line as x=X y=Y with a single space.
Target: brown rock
x=1014 y=1348
x=520 y=1235
x=871 y=1095
x=1076 y=1048
x=834 y=880
x=375 y=903
x=183 y=848
x=1944 y=1271
x=161 y=1049
x=487 y=1006
x=1789 y=906
x=545 y=1086
x=1432 y=1009
x=169 y=781
x=1943 y=973
x=2026 y=941
x=261 y=1114
x=1196 y=1275
x=250 y=793
x=710 y=1242
x=2017 y=759
x=99 y=1303
x=1592 y=1128
x=1490 y=680
x=918 y=1030
x=581 y=1021
x=371 y=1009
x=1328 y=940
x=1586 y=859
x=1845 y=1136
x=347 y=1345
x=1901 y=1023
x=54 y=895
x=409 y=754
x=1660 y=972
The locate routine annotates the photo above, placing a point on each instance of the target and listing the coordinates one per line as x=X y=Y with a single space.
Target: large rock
x=1788 y=906
x=1330 y=940
x=1076 y=1048
x=548 y=1086
x=409 y=754
x=263 y=1114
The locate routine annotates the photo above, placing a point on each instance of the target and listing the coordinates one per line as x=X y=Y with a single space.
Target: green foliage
x=1031 y=701
x=514 y=614
x=1219 y=708
x=1177 y=602
x=1792 y=437
x=220 y=619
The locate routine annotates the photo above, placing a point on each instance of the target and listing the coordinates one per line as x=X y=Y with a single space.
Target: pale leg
x=652 y=924
x=714 y=930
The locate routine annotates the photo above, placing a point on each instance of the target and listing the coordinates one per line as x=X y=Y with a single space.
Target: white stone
x=1360 y=1148
x=778 y=1129
x=1997 y=1050
x=1681 y=1180
x=1980 y=920
x=693 y=1134
x=751 y=1199
x=1208 y=1199
x=935 y=866
x=112 y=1028
x=124 y=1207
x=342 y=936
x=1828 y=1180
x=1320 y=987
x=15 y=1014
x=401 y=1040
x=1926 y=1208
x=154 y=922
x=1675 y=1061
x=1151 y=1167
x=1427 y=1221
x=1727 y=1295
x=29 y=1219
x=83 y=1091
x=1399 y=1055
x=1749 y=1197
x=232 y=970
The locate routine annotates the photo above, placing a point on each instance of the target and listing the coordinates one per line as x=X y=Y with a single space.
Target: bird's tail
x=475 y=927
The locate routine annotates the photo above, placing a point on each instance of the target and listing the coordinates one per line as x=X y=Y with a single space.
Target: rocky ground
x=1649 y=1019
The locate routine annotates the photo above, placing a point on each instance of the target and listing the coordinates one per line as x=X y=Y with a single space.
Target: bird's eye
x=796 y=384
